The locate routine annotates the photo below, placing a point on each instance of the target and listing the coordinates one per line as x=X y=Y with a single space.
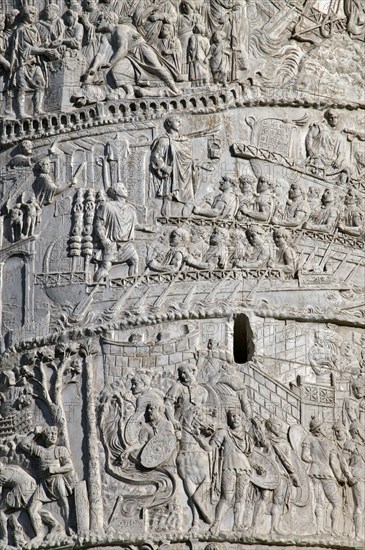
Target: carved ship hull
x=265 y=161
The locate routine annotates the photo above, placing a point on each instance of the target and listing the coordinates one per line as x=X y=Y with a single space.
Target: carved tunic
x=51 y=32
x=296 y=211
x=226 y=204
x=119 y=220
x=17 y=487
x=173 y=152
x=324 y=459
x=356 y=460
x=186 y=398
x=56 y=485
x=29 y=75
x=325 y=145
x=237 y=445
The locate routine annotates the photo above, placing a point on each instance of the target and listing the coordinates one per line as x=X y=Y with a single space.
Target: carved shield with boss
x=158 y=450
x=269 y=477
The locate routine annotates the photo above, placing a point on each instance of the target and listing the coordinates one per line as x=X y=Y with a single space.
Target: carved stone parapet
x=145 y=109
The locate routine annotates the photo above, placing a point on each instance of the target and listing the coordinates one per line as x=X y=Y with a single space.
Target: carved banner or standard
x=182 y=274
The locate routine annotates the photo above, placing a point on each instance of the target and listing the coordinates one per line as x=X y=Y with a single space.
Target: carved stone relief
x=182 y=274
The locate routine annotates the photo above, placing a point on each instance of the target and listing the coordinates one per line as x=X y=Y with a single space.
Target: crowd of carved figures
x=200 y=429
x=35 y=461
x=152 y=48
x=183 y=444
x=230 y=459
x=253 y=243
x=264 y=213
x=245 y=222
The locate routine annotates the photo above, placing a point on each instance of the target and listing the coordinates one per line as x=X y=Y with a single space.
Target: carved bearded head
x=358 y=388
x=29 y=14
x=51 y=12
x=186 y=374
x=172 y=123
x=332 y=117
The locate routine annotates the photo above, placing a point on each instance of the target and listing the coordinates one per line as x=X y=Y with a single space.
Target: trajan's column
x=182 y=274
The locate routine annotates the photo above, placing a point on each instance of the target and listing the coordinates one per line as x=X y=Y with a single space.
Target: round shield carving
x=133 y=427
x=157 y=450
x=270 y=477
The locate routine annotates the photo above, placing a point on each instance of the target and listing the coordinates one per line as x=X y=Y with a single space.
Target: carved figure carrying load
x=57 y=478
x=115 y=222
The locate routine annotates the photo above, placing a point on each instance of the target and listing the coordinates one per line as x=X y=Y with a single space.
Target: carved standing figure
x=197 y=56
x=342 y=442
x=4 y=61
x=74 y=31
x=354 y=406
x=230 y=17
x=56 y=479
x=169 y=47
x=184 y=407
x=277 y=449
x=16 y=222
x=27 y=51
x=235 y=446
x=355 y=450
x=171 y=164
x=219 y=57
x=325 y=145
x=191 y=13
x=32 y=217
x=51 y=27
x=325 y=473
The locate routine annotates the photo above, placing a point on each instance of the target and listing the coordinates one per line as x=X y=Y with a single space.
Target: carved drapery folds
x=182 y=274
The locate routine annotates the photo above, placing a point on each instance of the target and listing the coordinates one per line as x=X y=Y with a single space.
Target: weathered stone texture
x=182 y=274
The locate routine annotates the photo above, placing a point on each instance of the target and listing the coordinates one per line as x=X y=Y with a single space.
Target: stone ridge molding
x=139 y=110
x=182 y=269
